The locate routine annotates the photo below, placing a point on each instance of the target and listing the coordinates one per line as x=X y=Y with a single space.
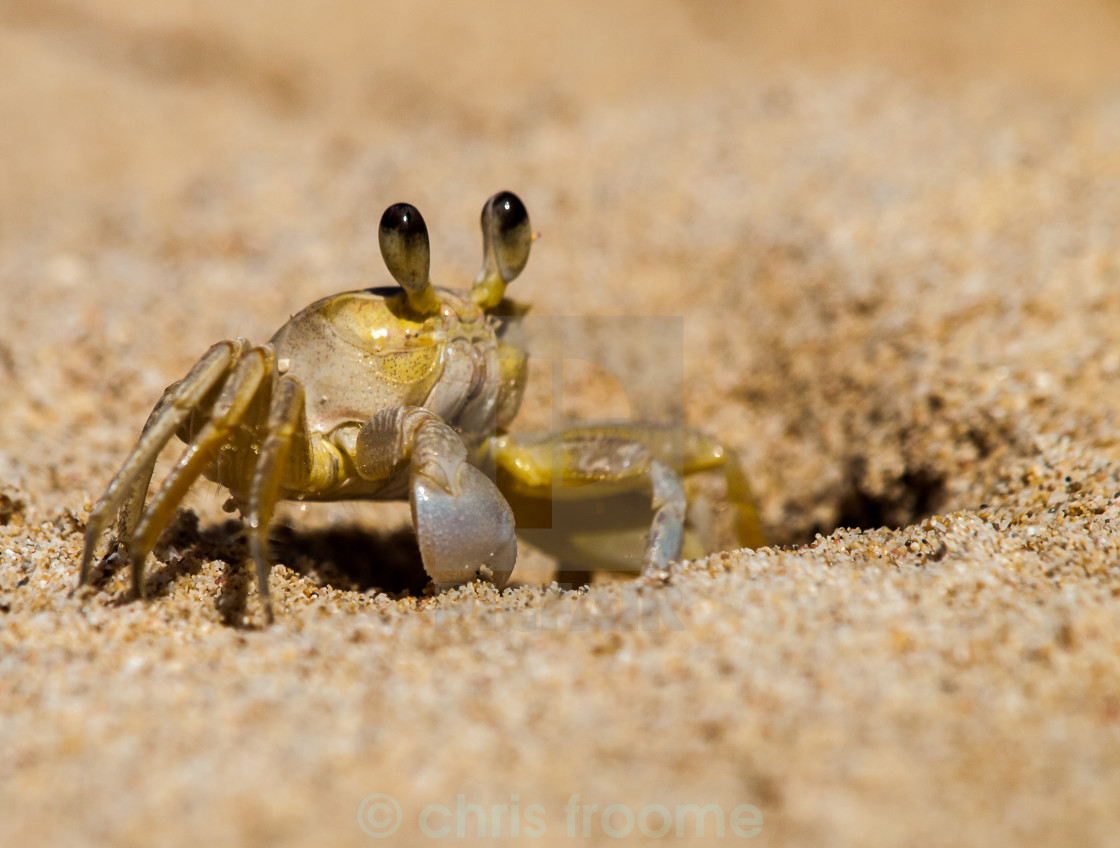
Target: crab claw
x=463 y=524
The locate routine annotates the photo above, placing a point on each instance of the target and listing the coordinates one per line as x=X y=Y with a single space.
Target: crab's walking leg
x=666 y=535
x=463 y=524
x=129 y=487
x=742 y=498
x=692 y=451
x=287 y=426
x=249 y=384
x=585 y=494
x=133 y=506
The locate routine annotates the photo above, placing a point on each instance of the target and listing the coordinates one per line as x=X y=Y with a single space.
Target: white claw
x=464 y=533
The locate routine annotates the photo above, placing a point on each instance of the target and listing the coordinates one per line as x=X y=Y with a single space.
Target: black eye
x=509 y=211
x=403 y=237
x=505 y=223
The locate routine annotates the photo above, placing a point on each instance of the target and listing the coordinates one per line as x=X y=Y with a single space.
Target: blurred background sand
x=889 y=231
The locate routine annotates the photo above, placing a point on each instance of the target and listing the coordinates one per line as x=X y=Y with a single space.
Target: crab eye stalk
x=506 y=239
x=403 y=237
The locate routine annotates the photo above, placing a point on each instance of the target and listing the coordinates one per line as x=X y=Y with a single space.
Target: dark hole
x=912 y=497
x=867 y=503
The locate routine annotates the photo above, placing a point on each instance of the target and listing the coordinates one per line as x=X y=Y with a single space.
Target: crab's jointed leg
x=463 y=524
x=742 y=500
x=133 y=505
x=666 y=534
x=287 y=428
x=249 y=386
x=129 y=487
x=610 y=497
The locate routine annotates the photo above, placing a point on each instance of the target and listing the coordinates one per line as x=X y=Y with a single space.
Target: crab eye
x=403 y=237
x=506 y=230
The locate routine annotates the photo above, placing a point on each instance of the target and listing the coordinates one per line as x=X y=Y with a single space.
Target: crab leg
x=286 y=426
x=129 y=487
x=133 y=506
x=666 y=534
x=585 y=494
x=742 y=498
x=250 y=379
x=692 y=451
x=463 y=524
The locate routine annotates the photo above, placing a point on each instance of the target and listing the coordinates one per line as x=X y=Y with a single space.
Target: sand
x=884 y=244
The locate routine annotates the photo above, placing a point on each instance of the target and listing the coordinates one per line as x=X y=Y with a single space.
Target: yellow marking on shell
x=407 y=367
x=397 y=347
x=371 y=323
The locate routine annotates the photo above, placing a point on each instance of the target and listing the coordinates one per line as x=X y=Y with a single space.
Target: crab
x=409 y=392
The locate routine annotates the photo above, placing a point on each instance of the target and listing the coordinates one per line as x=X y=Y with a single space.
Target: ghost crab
x=392 y=392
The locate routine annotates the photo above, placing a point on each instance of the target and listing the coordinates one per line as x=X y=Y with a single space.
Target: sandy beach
x=884 y=245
